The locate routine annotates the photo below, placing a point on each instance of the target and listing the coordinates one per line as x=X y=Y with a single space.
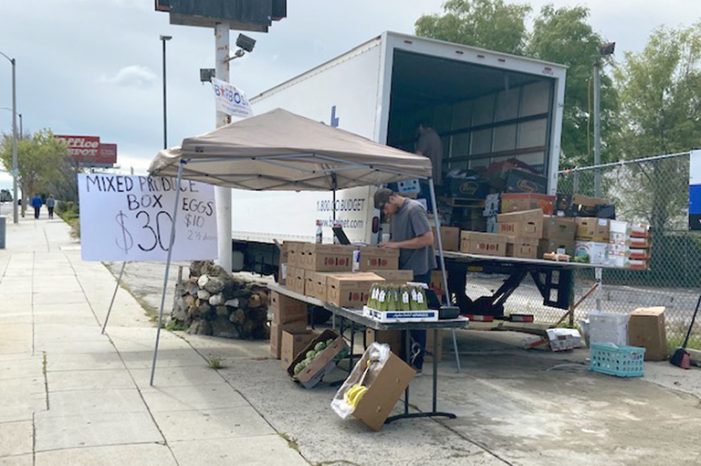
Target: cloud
x=132 y=76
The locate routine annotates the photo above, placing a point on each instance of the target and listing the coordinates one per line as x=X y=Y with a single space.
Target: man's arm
x=417 y=242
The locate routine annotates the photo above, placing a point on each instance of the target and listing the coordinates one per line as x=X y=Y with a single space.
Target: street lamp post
x=604 y=51
x=14 y=140
x=164 y=39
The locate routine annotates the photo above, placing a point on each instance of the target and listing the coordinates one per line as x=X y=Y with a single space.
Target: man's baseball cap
x=382 y=197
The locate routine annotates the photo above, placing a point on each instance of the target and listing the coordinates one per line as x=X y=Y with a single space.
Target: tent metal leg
x=116 y=287
x=165 y=278
x=442 y=261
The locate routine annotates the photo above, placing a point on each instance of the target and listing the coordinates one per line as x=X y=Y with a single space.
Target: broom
x=681 y=356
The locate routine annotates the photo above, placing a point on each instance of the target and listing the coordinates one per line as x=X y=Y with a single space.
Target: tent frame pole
x=442 y=261
x=114 y=295
x=171 y=242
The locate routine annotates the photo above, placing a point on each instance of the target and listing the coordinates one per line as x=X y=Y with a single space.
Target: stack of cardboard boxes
x=326 y=271
x=288 y=328
x=640 y=246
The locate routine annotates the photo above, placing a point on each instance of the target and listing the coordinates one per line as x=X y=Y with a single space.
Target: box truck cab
x=486 y=106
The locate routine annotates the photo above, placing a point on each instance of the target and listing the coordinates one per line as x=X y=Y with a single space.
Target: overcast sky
x=88 y=67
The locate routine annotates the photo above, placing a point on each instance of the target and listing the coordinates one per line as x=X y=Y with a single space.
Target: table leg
x=407 y=358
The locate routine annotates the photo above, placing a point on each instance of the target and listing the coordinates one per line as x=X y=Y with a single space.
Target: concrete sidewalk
x=70 y=395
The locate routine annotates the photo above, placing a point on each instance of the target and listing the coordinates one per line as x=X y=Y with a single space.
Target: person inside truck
x=429 y=144
x=410 y=232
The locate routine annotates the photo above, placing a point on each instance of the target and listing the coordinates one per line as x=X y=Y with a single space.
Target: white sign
x=129 y=218
x=230 y=100
x=695 y=167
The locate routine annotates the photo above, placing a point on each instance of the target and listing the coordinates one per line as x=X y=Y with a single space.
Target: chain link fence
x=652 y=190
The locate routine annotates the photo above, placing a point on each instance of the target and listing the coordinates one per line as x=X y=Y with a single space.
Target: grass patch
x=215 y=363
x=176 y=326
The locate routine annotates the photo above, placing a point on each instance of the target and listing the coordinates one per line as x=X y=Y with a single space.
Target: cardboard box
x=292 y=343
x=384 y=392
x=521 y=181
x=293 y=251
x=315 y=284
x=517 y=202
x=322 y=364
x=275 y=337
x=490 y=244
x=596 y=251
x=393 y=338
x=563 y=339
x=526 y=224
x=287 y=310
x=350 y=290
x=559 y=228
x=450 y=238
x=592 y=229
x=327 y=257
x=295 y=279
x=522 y=247
x=646 y=328
x=437 y=284
x=374 y=258
x=395 y=276
x=558 y=246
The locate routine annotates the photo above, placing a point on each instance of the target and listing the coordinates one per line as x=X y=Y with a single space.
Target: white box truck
x=486 y=106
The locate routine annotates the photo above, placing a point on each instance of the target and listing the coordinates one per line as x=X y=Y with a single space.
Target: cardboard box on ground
x=323 y=362
x=383 y=392
x=646 y=328
x=292 y=344
x=287 y=315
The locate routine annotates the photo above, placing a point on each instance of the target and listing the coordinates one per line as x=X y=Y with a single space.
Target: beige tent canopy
x=279 y=150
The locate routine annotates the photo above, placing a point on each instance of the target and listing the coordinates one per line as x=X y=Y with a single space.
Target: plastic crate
x=621 y=361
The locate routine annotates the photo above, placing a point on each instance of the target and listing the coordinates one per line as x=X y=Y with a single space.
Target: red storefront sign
x=88 y=151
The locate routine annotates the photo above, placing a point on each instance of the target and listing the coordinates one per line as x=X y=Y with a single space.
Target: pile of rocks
x=212 y=302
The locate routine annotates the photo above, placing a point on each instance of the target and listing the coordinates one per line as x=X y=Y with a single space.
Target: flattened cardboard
x=646 y=328
x=374 y=258
x=384 y=392
x=350 y=290
x=490 y=244
x=526 y=224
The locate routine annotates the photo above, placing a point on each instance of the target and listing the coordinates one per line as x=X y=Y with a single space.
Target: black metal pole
x=165 y=107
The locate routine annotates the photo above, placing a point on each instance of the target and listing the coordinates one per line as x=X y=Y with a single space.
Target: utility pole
x=222 y=195
x=164 y=39
x=13 y=62
x=597 y=126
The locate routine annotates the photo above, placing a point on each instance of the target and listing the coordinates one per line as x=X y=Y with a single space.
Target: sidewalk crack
x=46 y=379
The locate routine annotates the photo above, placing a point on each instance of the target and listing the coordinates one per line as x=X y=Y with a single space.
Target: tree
x=40 y=162
x=490 y=24
x=660 y=101
x=564 y=36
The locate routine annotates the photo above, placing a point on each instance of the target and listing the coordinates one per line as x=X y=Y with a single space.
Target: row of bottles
x=392 y=298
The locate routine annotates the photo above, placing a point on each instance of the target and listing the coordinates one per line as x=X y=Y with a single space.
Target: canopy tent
x=280 y=150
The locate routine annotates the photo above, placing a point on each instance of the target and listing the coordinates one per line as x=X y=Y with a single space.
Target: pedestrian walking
x=50 y=204
x=36 y=203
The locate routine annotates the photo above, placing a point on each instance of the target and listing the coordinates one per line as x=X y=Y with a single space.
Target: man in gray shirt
x=410 y=232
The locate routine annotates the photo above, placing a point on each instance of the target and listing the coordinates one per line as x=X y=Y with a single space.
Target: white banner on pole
x=231 y=100
x=129 y=218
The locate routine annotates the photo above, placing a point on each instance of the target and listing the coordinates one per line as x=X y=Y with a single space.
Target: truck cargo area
x=482 y=113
